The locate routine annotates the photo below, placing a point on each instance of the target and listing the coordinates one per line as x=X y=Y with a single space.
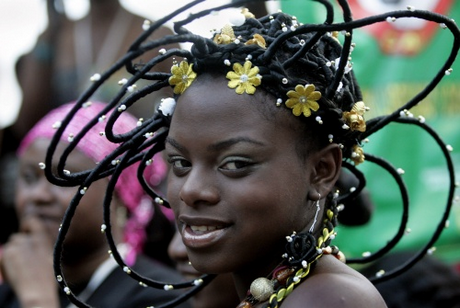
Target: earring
x=316 y=214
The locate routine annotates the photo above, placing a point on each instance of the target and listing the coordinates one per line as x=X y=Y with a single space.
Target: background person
x=57 y=70
x=93 y=275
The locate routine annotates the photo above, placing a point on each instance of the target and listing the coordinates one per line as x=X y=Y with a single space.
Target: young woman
x=266 y=113
x=241 y=184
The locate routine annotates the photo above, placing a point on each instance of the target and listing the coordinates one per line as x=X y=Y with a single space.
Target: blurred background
x=21 y=21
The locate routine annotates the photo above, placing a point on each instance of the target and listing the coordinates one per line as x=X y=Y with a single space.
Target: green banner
x=393 y=61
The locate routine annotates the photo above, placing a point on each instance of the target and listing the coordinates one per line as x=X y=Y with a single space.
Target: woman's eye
x=28 y=176
x=178 y=163
x=235 y=164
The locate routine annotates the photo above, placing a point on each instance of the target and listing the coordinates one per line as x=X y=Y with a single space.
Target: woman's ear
x=327 y=164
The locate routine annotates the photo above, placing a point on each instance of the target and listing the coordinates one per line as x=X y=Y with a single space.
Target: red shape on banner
x=395 y=37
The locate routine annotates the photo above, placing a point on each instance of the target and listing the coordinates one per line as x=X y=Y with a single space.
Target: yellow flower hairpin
x=303 y=100
x=182 y=76
x=244 y=78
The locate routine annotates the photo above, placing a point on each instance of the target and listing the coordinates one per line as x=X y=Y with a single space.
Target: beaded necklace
x=303 y=251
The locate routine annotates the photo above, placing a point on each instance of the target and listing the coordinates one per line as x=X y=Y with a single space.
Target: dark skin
x=232 y=211
x=220 y=292
x=40 y=206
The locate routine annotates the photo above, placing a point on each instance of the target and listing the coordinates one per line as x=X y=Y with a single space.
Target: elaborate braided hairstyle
x=304 y=67
x=300 y=58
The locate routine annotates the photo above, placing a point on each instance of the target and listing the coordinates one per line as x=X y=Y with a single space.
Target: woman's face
x=36 y=197
x=237 y=185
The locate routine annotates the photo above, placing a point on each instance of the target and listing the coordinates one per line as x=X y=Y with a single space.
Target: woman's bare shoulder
x=334 y=284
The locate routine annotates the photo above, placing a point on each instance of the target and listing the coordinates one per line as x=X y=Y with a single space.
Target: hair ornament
x=348 y=66
x=122 y=81
x=226 y=35
x=303 y=100
x=146 y=24
x=95 y=77
x=239 y=18
x=182 y=76
x=131 y=88
x=355 y=118
x=334 y=35
x=245 y=78
x=56 y=124
x=357 y=154
x=360 y=108
x=257 y=40
x=167 y=106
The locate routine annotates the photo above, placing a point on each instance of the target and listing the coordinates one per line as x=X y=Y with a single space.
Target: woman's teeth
x=204 y=228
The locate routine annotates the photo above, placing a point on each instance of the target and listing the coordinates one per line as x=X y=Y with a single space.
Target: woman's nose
x=200 y=187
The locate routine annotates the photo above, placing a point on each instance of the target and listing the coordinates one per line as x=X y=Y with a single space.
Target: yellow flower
x=182 y=77
x=244 y=78
x=357 y=155
x=303 y=100
x=257 y=40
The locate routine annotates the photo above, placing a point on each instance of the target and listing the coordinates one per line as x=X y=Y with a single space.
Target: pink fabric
x=97 y=147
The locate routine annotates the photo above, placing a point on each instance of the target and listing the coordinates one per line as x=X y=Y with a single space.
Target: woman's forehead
x=212 y=87
x=35 y=153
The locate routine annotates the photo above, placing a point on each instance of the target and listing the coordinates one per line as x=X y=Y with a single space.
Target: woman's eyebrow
x=173 y=142
x=232 y=141
x=224 y=144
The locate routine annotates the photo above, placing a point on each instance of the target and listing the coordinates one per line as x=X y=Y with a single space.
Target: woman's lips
x=200 y=236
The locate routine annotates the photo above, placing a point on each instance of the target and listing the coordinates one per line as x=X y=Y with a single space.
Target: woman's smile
x=201 y=232
x=201 y=236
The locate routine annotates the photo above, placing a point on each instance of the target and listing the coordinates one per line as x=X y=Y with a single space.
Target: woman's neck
x=260 y=268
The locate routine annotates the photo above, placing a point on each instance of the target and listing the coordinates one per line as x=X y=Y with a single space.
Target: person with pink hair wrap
x=128 y=189
x=26 y=261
